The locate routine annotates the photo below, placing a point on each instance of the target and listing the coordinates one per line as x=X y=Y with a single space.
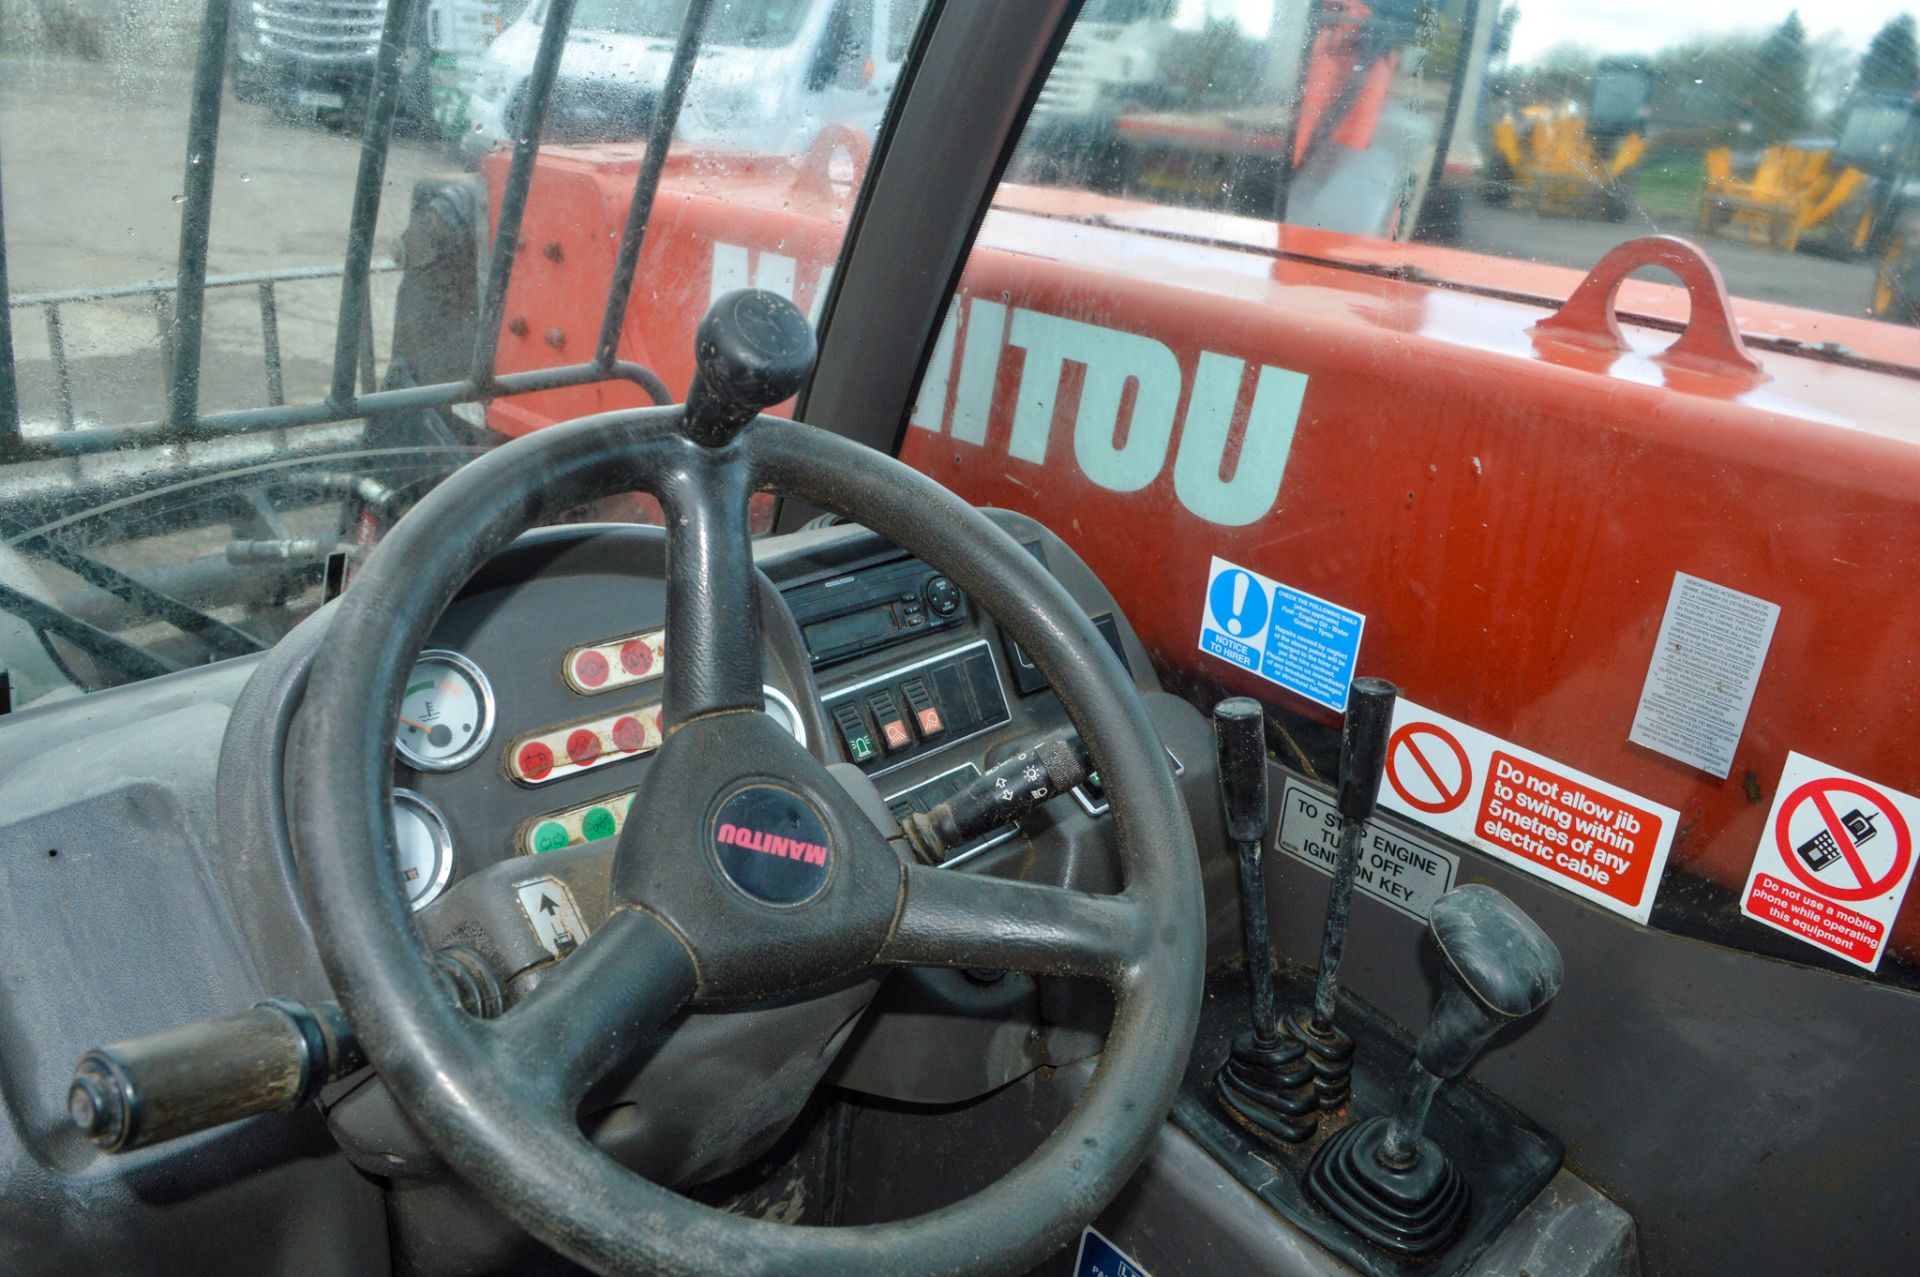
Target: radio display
x=855 y=627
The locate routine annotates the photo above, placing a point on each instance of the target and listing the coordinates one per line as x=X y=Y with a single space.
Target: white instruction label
x=1402 y=870
x=556 y=919
x=1706 y=664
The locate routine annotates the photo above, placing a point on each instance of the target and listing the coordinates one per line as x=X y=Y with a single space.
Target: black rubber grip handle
x=1363 y=745
x=1239 y=732
x=1004 y=795
x=752 y=351
x=267 y=1059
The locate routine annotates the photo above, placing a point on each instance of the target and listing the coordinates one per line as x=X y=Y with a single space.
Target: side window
x=1258 y=322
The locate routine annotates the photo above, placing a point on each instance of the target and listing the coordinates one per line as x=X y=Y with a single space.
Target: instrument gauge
x=425 y=847
x=447 y=713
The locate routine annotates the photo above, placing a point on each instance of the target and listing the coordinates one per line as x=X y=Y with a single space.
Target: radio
x=874 y=607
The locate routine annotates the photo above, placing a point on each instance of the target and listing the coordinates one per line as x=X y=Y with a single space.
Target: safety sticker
x=1399 y=869
x=1706 y=663
x=1835 y=860
x=1580 y=833
x=1101 y=1258
x=1286 y=636
x=556 y=920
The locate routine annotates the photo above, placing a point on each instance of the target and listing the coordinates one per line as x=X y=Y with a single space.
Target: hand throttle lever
x=1004 y=795
x=1383 y=1177
x=1363 y=757
x=271 y=1058
x=1266 y=1083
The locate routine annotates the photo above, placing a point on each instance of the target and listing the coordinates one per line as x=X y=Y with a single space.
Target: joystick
x=1363 y=756
x=1266 y=1083
x=1383 y=1177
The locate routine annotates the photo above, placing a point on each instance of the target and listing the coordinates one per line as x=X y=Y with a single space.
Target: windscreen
x=1390 y=339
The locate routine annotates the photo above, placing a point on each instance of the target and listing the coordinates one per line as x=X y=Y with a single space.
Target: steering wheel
x=753 y=873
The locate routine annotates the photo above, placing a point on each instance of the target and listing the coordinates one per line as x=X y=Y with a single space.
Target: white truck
x=781 y=73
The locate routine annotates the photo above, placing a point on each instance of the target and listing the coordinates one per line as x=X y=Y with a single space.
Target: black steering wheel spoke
x=594 y=1009
x=952 y=919
x=712 y=605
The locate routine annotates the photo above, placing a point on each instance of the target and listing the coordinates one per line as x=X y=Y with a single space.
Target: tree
x=1775 y=102
x=1892 y=60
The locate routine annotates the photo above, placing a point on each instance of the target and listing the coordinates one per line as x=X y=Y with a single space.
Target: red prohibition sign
x=1816 y=791
x=1404 y=747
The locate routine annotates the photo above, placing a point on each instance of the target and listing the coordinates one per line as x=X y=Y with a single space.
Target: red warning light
x=629 y=734
x=636 y=658
x=583 y=746
x=590 y=668
x=535 y=761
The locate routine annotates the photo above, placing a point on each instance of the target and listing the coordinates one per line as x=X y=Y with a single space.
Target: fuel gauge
x=425 y=847
x=446 y=714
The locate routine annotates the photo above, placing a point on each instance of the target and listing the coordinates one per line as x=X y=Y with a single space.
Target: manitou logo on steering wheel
x=1118 y=447
x=773 y=844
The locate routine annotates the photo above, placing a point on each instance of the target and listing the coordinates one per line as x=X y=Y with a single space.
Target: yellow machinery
x=1790 y=192
x=1557 y=169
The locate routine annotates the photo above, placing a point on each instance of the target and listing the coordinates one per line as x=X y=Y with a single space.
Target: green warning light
x=861 y=748
x=550 y=836
x=598 y=823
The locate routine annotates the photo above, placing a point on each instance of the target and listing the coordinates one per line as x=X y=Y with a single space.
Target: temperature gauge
x=425 y=847
x=447 y=713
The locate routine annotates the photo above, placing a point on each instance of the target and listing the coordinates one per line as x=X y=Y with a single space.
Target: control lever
x=1363 y=756
x=752 y=350
x=1004 y=795
x=1267 y=1081
x=1383 y=1177
x=271 y=1058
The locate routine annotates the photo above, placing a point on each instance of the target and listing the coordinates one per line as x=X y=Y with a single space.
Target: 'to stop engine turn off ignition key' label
x=1402 y=870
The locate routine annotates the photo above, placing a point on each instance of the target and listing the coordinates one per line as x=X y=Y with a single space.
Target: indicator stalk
x=1003 y=796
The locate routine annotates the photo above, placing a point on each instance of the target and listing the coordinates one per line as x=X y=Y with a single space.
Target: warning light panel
x=594 y=821
x=617 y=662
x=554 y=753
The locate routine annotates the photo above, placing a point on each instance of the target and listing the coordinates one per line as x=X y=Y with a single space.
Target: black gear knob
x=1504 y=968
x=752 y=351
x=1383 y=1177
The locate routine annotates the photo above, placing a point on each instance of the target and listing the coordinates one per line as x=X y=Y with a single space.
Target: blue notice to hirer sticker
x=1286 y=636
x=1101 y=1258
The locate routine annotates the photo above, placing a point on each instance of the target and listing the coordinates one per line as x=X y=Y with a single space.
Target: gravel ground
x=1751 y=270
x=93 y=158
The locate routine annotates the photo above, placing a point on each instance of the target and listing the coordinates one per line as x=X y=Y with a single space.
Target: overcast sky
x=1628 y=26
x=1644 y=26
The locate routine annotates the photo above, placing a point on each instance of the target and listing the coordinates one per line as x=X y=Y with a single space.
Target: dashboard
x=527 y=724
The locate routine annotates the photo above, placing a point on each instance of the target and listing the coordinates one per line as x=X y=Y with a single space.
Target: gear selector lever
x=1363 y=755
x=1383 y=1177
x=1267 y=1082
